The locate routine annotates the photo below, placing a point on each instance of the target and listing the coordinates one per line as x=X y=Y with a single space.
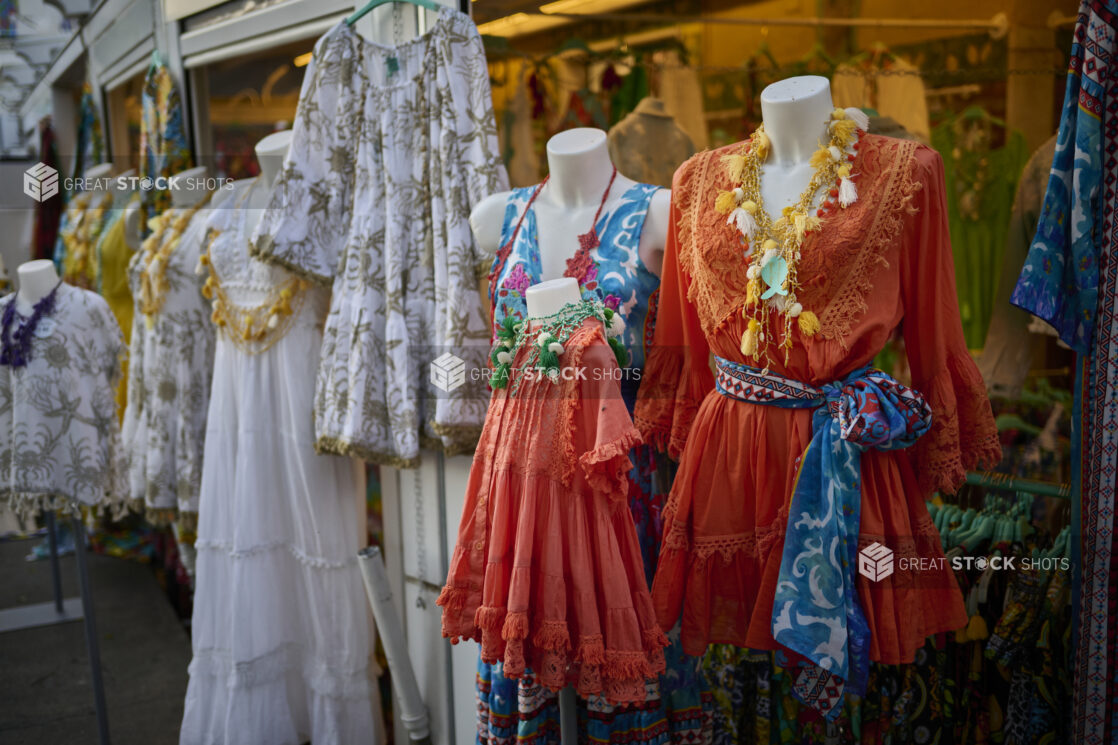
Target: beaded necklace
x=157 y=250
x=550 y=334
x=772 y=247
x=15 y=346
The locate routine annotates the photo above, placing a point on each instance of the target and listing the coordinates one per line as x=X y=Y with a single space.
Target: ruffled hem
x=963 y=435
x=619 y=675
x=903 y=609
x=607 y=467
x=341 y=446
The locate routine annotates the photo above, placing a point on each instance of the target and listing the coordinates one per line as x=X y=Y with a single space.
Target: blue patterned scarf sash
x=816 y=613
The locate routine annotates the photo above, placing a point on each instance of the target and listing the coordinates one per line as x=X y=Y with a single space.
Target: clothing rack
x=992 y=480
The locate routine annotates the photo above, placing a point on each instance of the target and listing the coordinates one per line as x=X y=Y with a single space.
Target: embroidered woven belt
x=816 y=613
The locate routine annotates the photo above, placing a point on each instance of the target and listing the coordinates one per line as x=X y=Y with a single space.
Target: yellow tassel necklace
x=772 y=247
x=158 y=247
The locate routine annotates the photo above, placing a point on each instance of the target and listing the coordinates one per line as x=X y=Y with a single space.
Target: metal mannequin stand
x=65 y=610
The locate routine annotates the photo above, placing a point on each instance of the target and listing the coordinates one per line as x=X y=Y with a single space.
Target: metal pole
x=91 y=643
x=568 y=717
x=413 y=713
x=55 y=568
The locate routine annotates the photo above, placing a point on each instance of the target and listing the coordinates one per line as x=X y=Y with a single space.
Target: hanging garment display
x=1070 y=280
x=280 y=629
x=892 y=88
x=728 y=514
x=90 y=145
x=170 y=366
x=546 y=508
x=981 y=181
x=59 y=432
x=391 y=151
x=610 y=272
x=648 y=145
x=520 y=147
x=48 y=212
x=164 y=149
x=81 y=230
x=1008 y=351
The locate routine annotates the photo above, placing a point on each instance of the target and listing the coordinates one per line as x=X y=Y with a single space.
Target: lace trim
x=315 y=562
x=607 y=467
x=262 y=251
x=841 y=281
x=324 y=678
x=342 y=446
x=963 y=436
x=760 y=543
x=665 y=410
x=28 y=504
x=895 y=195
x=619 y=675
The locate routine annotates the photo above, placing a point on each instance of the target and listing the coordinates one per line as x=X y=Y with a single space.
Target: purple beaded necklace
x=15 y=347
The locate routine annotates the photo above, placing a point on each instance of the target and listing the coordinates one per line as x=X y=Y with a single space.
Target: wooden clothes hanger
x=428 y=4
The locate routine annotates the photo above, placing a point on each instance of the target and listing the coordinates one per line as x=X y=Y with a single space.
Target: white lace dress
x=281 y=631
x=393 y=146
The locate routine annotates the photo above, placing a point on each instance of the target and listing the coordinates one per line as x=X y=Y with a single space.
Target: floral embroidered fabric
x=170 y=370
x=59 y=433
x=374 y=199
x=546 y=508
x=725 y=517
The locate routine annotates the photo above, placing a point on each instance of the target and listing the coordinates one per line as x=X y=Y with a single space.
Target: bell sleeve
x=677 y=375
x=307 y=219
x=605 y=430
x=963 y=435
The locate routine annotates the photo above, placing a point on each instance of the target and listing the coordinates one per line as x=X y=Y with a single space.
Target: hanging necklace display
x=772 y=247
x=157 y=250
x=15 y=346
x=252 y=330
x=548 y=334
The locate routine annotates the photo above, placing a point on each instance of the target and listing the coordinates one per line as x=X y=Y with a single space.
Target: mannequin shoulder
x=487 y=219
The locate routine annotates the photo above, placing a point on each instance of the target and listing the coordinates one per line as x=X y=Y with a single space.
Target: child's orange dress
x=547 y=573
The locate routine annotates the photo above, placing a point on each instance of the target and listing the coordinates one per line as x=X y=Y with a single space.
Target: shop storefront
x=724 y=220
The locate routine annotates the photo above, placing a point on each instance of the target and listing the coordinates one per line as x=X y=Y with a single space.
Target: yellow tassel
x=726 y=202
x=753 y=292
x=760 y=145
x=750 y=340
x=799 y=223
x=820 y=158
x=204 y=259
x=844 y=131
x=735 y=167
x=809 y=323
x=208 y=289
x=843 y=171
x=812 y=223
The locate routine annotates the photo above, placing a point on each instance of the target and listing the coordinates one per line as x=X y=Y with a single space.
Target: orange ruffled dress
x=882 y=263
x=547 y=571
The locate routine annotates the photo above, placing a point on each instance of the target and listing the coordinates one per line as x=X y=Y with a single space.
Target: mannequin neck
x=796 y=113
x=270 y=166
x=188 y=188
x=36 y=280
x=548 y=298
x=579 y=167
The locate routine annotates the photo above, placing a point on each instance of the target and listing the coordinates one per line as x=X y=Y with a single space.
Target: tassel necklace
x=15 y=347
x=772 y=247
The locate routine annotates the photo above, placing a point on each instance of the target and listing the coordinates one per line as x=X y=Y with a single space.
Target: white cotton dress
x=281 y=629
x=392 y=148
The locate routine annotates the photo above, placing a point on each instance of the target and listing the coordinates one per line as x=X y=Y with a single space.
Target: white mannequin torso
x=36 y=280
x=796 y=113
x=580 y=168
x=270 y=153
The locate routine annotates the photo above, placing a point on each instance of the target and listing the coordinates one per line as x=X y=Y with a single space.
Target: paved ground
x=45 y=693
